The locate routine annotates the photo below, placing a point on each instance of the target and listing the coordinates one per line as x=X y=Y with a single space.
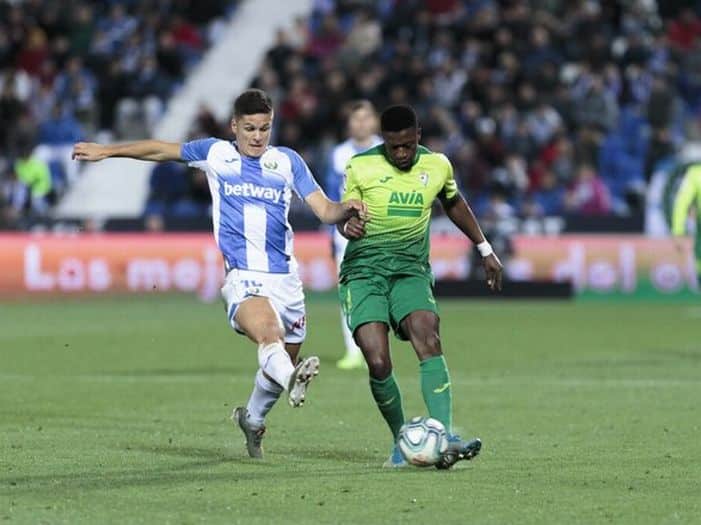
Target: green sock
x=436 y=389
x=389 y=401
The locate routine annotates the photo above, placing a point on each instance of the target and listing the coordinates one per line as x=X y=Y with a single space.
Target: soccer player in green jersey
x=386 y=278
x=689 y=195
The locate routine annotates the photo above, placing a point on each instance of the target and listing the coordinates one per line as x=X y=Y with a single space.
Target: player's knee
x=379 y=367
x=269 y=331
x=424 y=336
x=432 y=342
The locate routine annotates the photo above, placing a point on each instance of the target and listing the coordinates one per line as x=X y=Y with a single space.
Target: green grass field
x=116 y=411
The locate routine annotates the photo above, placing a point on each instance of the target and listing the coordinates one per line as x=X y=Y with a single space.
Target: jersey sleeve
x=196 y=151
x=685 y=197
x=303 y=181
x=352 y=188
x=450 y=187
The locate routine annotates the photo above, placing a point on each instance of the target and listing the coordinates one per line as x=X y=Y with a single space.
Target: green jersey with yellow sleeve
x=396 y=239
x=689 y=195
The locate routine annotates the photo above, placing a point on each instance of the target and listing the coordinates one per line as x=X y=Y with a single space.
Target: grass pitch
x=116 y=411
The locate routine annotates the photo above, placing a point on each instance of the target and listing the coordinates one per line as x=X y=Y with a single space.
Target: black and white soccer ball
x=422 y=441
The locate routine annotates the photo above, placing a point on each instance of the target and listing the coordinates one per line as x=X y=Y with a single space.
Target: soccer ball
x=422 y=441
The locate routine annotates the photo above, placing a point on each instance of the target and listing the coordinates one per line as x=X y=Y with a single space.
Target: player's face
x=401 y=146
x=362 y=124
x=252 y=133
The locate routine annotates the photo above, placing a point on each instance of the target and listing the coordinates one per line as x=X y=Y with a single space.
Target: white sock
x=276 y=363
x=265 y=394
x=351 y=347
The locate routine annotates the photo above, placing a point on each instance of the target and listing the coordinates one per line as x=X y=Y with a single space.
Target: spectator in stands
x=33 y=182
x=57 y=134
x=684 y=30
x=588 y=194
x=549 y=199
x=551 y=82
x=85 y=57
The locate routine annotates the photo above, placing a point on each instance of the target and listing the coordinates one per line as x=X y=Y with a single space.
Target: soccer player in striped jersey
x=362 y=131
x=386 y=279
x=251 y=184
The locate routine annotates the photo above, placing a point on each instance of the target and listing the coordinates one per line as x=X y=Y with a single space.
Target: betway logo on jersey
x=405 y=204
x=247 y=189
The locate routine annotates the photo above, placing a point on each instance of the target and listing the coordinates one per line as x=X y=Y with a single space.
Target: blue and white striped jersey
x=251 y=200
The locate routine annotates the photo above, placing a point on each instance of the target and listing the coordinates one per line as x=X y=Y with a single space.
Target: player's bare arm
x=330 y=212
x=460 y=213
x=154 y=150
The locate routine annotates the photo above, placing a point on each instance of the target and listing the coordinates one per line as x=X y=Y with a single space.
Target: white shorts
x=284 y=291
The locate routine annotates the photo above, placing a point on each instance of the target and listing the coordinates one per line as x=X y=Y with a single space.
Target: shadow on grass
x=198 y=470
x=174 y=372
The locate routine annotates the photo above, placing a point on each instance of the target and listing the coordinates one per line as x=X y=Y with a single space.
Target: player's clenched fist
x=356 y=208
x=89 y=151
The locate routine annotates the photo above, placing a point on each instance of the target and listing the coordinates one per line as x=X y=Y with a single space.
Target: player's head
x=252 y=122
x=401 y=134
x=362 y=121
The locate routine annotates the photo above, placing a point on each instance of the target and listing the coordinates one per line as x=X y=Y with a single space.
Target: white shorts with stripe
x=284 y=291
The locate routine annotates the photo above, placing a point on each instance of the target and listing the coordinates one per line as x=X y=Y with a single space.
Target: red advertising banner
x=34 y=264
x=123 y=263
x=607 y=264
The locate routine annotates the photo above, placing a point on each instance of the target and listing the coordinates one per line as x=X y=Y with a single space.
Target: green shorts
x=385 y=299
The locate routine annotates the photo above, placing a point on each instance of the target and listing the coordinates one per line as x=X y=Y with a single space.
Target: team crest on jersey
x=270 y=164
x=423 y=177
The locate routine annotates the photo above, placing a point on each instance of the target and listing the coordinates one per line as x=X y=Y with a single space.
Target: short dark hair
x=398 y=118
x=357 y=105
x=251 y=102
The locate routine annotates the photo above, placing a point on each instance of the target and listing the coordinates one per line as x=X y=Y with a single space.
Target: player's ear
x=233 y=125
x=418 y=133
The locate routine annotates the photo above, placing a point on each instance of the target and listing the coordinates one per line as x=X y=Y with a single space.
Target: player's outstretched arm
x=331 y=212
x=154 y=150
x=460 y=213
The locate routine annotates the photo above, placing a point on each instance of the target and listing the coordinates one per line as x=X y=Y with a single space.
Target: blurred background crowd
x=74 y=70
x=545 y=107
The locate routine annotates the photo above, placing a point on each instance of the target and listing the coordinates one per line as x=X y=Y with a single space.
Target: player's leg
x=251 y=418
x=422 y=329
x=270 y=319
x=257 y=318
x=373 y=340
x=365 y=305
x=697 y=250
x=266 y=392
x=374 y=343
x=352 y=358
x=254 y=303
x=411 y=301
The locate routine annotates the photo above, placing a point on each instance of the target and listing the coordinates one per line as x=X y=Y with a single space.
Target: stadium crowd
x=77 y=69
x=545 y=107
